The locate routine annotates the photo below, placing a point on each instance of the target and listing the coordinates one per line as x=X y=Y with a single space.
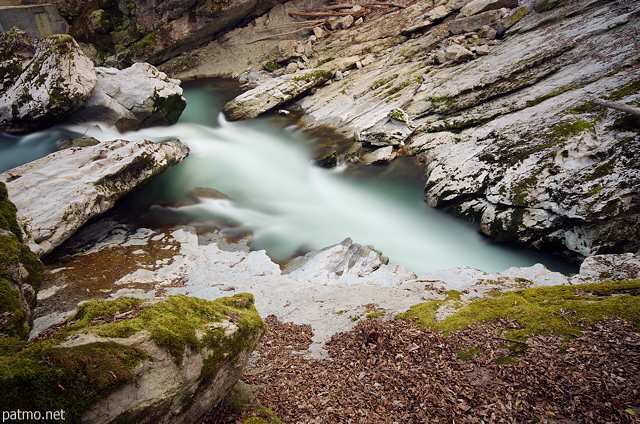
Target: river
x=274 y=191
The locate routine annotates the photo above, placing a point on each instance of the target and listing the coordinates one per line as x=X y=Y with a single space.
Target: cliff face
x=153 y=30
x=498 y=99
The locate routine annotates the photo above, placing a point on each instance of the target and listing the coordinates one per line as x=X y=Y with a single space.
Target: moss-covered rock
x=558 y=310
x=125 y=359
x=43 y=80
x=20 y=274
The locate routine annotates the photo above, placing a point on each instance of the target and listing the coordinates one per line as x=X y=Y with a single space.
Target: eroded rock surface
x=57 y=194
x=132 y=98
x=43 y=80
x=501 y=110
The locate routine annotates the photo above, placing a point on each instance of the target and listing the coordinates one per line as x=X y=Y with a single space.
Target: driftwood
x=318 y=14
x=618 y=106
x=287 y=33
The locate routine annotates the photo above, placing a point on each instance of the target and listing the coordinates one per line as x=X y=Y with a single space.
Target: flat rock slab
x=59 y=193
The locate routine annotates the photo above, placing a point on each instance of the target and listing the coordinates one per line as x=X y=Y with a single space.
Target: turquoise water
x=289 y=205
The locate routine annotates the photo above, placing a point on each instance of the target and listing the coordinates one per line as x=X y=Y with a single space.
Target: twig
x=618 y=106
x=285 y=33
x=312 y=14
x=384 y=4
x=509 y=340
x=317 y=21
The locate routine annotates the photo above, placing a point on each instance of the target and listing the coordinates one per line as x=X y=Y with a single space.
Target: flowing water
x=272 y=190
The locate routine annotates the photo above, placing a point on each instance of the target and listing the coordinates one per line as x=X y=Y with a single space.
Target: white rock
x=132 y=98
x=59 y=193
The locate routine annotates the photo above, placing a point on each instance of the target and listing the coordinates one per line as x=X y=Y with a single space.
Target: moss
x=602 y=170
x=467 y=354
x=69 y=378
x=521 y=190
x=323 y=61
x=73 y=378
x=381 y=82
x=316 y=76
x=271 y=66
x=170 y=107
x=8 y=213
x=559 y=310
x=172 y=324
x=628 y=89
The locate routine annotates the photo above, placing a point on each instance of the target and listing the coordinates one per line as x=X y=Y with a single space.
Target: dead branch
x=312 y=14
x=385 y=4
x=618 y=106
x=264 y=28
x=285 y=33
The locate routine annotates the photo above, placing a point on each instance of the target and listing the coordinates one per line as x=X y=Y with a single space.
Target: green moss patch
x=73 y=378
x=558 y=310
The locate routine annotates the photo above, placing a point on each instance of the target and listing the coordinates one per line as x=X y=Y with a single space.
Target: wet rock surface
x=59 y=193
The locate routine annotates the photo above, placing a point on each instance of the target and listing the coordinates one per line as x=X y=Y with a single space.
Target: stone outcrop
x=132 y=98
x=57 y=194
x=165 y=361
x=20 y=274
x=138 y=30
x=43 y=80
x=506 y=127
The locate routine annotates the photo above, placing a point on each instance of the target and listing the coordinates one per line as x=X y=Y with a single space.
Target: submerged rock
x=57 y=194
x=164 y=361
x=136 y=97
x=43 y=80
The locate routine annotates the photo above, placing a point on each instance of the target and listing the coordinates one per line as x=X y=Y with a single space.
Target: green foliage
x=558 y=310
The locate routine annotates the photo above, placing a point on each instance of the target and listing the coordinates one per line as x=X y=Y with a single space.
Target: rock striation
x=43 y=80
x=57 y=194
x=499 y=105
x=135 y=97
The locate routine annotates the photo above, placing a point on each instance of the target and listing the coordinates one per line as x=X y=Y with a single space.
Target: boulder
x=475 y=22
x=136 y=97
x=277 y=91
x=164 y=361
x=478 y=6
x=383 y=154
x=611 y=267
x=43 y=80
x=57 y=194
x=393 y=130
x=21 y=273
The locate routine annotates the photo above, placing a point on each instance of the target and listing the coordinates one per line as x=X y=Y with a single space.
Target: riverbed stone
x=478 y=6
x=43 y=80
x=132 y=98
x=57 y=194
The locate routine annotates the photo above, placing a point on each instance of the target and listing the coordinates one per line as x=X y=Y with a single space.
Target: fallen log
x=618 y=106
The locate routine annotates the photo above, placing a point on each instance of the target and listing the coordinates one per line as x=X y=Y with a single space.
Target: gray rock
x=59 y=193
x=611 y=267
x=478 y=6
x=136 y=97
x=282 y=89
x=43 y=80
x=383 y=154
x=475 y=22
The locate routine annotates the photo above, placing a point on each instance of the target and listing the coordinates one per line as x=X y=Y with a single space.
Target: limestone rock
x=21 y=273
x=475 y=22
x=57 y=194
x=611 y=267
x=393 y=130
x=383 y=154
x=478 y=6
x=282 y=89
x=43 y=80
x=136 y=97
x=176 y=360
x=343 y=263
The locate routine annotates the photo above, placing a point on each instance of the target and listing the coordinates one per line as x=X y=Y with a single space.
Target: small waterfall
x=274 y=191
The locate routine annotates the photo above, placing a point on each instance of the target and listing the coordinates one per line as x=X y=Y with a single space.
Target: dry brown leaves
x=394 y=372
